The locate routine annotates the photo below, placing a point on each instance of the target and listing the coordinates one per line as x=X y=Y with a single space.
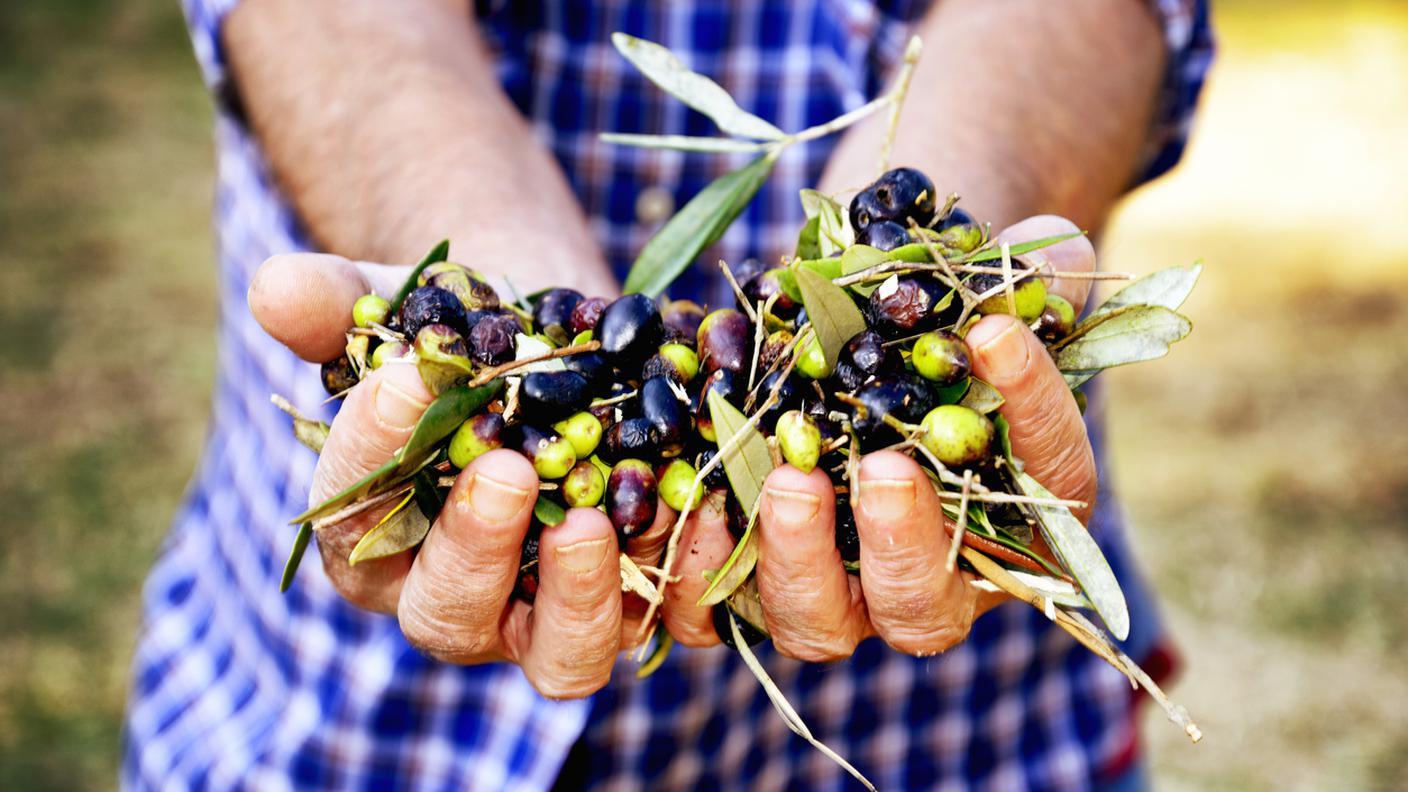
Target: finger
x=1046 y=429
x=804 y=588
x=704 y=544
x=375 y=420
x=913 y=601
x=645 y=549
x=1073 y=255
x=576 y=626
x=456 y=590
x=304 y=300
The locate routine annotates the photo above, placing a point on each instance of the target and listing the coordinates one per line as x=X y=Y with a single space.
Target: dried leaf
x=634 y=581
x=666 y=70
x=295 y=556
x=1128 y=335
x=747 y=604
x=1081 y=558
x=834 y=316
x=982 y=397
x=437 y=254
x=1167 y=287
x=735 y=570
x=682 y=143
x=748 y=463
x=311 y=433
x=694 y=227
x=400 y=530
x=526 y=346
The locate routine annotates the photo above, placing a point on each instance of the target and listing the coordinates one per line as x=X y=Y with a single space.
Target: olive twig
x=738 y=291
x=961 y=527
x=489 y=374
x=901 y=89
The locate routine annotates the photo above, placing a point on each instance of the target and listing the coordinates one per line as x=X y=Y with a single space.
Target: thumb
x=1047 y=431
x=304 y=300
x=375 y=421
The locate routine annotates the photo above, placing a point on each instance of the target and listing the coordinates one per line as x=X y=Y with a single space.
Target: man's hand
x=814 y=609
x=454 y=597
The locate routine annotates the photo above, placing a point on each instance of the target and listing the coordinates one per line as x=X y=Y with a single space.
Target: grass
x=1264 y=463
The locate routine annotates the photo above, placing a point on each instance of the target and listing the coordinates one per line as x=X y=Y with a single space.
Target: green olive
x=582 y=338
x=799 y=439
x=582 y=430
x=677 y=482
x=369 y=310
x=554 y=457
x=442 y=358
x=1057 y=319
x=958 y=435
x=685 y=360
x=811 y=360
x=584 y=485
x=475 y=437
x=1029 y=294
x=388 y=350
x=941 y=357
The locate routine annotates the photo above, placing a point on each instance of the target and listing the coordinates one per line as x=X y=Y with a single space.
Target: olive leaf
x=828 y=268
x=665 y=69
x=428 y=497
x=747 y=604
x=548 y=511
x=783 y=707
x=834 y=316
x=401 y=529
x=682 y=142
x=834 y=231
x=1167 y=287
x=437 y=254
x=1127 y=335
x=748 y=463
x=1004 y=440
x=858 y=258
x=808 y=244
x=982 y=397
x=664 y=642
x=311 y=433
x=1081 y=557
x=295 y=556
x=951 y=394
x=735 y=570
x=695 y=226
x=995 y=252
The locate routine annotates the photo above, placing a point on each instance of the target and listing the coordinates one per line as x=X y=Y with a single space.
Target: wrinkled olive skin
x=552 y=456
x=432 y=305
x=630 y=497
x=475 y=437
x=630 y=438
x=902 y=395
x=725 y=341
x=668 y=416
x=630 y=330
x=730 y=387
x=1057 y=319
x=899 y=195
x=884 y=235
x=553 y=395
x=682 y=318
x=773 y=345
x=863 y=357
x=909 y=308
x=750 y=634
x=338 y=376
x=475 y=294
x=958 y=435
x=847 y=536
x=941 y=357
x=676 y=361
x=554 y=309
x=584 y=485
x=587 y=314
x=491 y=342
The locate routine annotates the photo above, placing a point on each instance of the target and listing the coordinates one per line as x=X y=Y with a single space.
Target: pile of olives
x=624 y=423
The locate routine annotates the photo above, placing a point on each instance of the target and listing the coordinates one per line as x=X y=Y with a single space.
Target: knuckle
x=430 y=633
x=815 y=647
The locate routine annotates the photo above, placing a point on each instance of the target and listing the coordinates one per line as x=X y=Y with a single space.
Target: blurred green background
x=1264 y=463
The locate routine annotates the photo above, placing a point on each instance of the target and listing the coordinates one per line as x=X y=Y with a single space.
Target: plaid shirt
x=235 y=685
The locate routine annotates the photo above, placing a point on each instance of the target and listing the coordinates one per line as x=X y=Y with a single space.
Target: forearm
x=1023 y=107
x=386 y=126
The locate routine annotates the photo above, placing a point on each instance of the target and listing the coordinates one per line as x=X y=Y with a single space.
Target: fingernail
x=495 y=501
x=395 y=407
x=1003 y=355
x=584 y=556
x=887 y=500
x=791 y=507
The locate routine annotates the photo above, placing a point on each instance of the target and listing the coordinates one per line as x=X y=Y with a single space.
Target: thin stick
x=738 y=291
x=901 y=89
x=1007 y=282
x=352 y=510
x=489 y=374
x=962 y=527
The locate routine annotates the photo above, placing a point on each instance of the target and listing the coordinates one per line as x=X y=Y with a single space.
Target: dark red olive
x=682 y=318
x=863 y=357
x=906 y=306
x=587 y=313
x=526 y=586
x=716 y=478
x=725 y=341
x=546 y=396
x=847 y=537
x=761 y=287
x=629 y=331
x=667 y=414
x=432 y=305
x=630 y=497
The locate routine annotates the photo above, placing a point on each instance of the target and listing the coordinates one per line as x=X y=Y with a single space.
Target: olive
x=442 y=358
x=716 y=478
x=370 y=309
x=1057 y=319
x=811 y=360
x=899 y=195
x=789 y=396
x=632 y=437
x=725 y=341
x=847 y=536
x=474 y=293
x=901 y=395
x=941 y=357
x=749 y=269
x=799 y=439
x=593 y=367
x=338 y=376
x=552 y=456
x=676 y=361
x=737 y=523
x=432 y=305
x=906 y=305
x=730 y=387
x=682 y=318
x=883 y=235
x=630 y=497
x=751 y=635
x=773 y=345
x=587 y=314
x=583 y=430
x=388 y=350
x=492 y=341
x=584 y=486
x=676 y=483
x=526 y=586
x=475 y=437
x=667 y=414
x=959 y=231
x=552 y=395
x=1029 y=294
x=863 y=357
x=554 y=310
x=761 y=288
x=629 y=330
x=958 y=435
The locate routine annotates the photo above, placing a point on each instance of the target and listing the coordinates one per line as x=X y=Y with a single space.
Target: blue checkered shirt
x=235 y=685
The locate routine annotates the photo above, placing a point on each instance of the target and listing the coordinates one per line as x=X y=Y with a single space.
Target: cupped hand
x=453 y=598
x=814 y=609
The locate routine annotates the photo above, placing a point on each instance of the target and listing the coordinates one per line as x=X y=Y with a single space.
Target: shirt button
x=654 y=205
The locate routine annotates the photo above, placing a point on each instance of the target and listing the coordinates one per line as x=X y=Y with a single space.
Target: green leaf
x=428 y=496
x=400 y=530
x=441 y=419
x=749 y=463
x=735 y=570
x=858 y=258
x=1081 y=557
x=833 y=230
x=951 y=394
x=1167 y=287
x=1004 y=439
x=683 y=143
x=982 y=397
x=695 y=226
x=548 y=511
x=666 y=70
x=808 y=246
x=828 y=268
x=366 y=486
x=1127 y=335
x=295 y=556
x=832 y=312
x=437 y=254
x=664 y=642
x=995 y=252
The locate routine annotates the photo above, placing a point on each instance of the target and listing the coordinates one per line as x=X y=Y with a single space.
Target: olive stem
x=489 y=374
x=354 y=509
x=961 y=528
x=738 y=291
x=899 y=92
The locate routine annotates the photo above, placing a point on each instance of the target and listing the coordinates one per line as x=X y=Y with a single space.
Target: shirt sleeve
x=1188 y=38
x=203 y=20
